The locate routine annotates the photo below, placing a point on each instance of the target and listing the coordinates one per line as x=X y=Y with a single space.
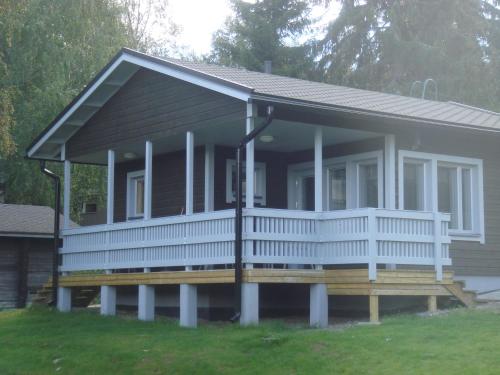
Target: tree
x=385 y=45
x=266 y=30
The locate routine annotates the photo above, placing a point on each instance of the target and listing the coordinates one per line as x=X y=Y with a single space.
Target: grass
x=41 y=341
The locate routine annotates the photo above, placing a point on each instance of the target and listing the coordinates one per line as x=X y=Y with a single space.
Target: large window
x=349 y=182
x=449 y=184
x=259 y=182
x=135 y=195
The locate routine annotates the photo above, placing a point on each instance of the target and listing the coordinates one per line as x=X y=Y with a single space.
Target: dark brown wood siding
x=150 y=106
x=470 y=258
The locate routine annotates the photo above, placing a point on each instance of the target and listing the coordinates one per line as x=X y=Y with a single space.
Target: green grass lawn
x=41 y=341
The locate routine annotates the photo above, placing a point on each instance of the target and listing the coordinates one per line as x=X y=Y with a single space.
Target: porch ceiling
x=287 y=136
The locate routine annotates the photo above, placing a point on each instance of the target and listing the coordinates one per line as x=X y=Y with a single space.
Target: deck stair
x=81 y=296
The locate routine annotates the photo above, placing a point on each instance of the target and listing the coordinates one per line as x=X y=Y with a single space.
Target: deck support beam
x=318 y=169
x=374 y=309
x=249 y=304
x=148 y=180
x=108 y=300
x=188 y=306
x=318 y=309
x=146 y=310
x=64 y=299
x=110 y=201
x=189 y=172
x=432 y=304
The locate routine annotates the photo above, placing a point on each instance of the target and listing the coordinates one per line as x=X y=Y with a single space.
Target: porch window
x=458 y=186
x=368 y=184
x=338 y=187
x=259 y=182
x=135 y=195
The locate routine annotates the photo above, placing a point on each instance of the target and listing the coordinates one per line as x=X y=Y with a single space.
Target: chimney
x=268 y=66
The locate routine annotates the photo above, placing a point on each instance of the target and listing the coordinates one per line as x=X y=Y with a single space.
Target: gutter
x=238 y=223
x=55 y=255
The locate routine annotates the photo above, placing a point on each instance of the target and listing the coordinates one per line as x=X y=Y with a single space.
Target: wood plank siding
x=150 y=106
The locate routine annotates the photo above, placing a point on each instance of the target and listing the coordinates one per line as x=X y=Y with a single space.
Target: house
x=347 y=191
x=26 y=252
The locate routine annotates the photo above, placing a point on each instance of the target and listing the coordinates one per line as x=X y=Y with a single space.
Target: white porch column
x=250 y=157
x=108 y=300
x=209 y=177
x=249 y=304
x=318 y=169
x=148 y=179
x=189 y=172
x=67 y=194
x=110 y=202
x=188 y=305
x=318 y=309
x=64 y=299
x=390 y=171
x=146 y=310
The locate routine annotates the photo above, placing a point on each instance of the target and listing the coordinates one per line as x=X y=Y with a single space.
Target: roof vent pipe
x=268 y=66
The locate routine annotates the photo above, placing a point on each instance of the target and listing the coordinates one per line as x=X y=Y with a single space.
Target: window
x=349 y=182
x=449 y=184
x=135 y=195
x=259 y=182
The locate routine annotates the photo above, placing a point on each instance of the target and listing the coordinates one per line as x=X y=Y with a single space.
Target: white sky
x=199 y=19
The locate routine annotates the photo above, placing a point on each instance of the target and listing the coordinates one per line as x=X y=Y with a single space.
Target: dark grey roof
x=25 y=220
x=270 y=85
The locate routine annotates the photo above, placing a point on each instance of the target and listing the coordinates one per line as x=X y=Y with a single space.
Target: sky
x=199 y=19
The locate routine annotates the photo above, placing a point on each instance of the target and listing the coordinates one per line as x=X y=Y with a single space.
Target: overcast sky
x=199 y=19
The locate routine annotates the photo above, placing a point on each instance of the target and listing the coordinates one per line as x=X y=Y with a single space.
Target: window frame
x=259 y=181
x=132 y=195
x=432 y=163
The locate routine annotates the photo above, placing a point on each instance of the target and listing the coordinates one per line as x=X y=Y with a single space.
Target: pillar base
x=249 y=304
x=188 y=306
x=318 y=306
x=108 y=300
x=146 y=302
x=64 y=299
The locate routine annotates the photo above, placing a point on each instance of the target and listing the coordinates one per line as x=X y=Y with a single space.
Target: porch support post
x=64 y=299
x=250 y=157
x=110 y=202
x=146 y=309
x=148 y=179
x=374 y=309
x=189 y=172
x=249 y=304
x=390 y=171
x=318 y=169
x=318 y=309
x=108 y=300
x=188 y=305
x=67 y=194
x=209 y=177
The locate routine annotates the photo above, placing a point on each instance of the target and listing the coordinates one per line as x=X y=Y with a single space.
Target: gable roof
x=18 y=220
x=247 y=85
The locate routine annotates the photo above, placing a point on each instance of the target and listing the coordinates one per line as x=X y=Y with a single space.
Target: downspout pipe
x=238 y=223
x=55 y=255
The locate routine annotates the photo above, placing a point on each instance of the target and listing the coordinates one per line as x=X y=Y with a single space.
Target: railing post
x=372 y=245
x=438 y=259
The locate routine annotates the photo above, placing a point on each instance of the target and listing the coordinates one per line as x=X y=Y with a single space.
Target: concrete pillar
x=318 y=309
x=108 y=300
x=146 y=302
x=64 y=299
x=188 y=305
x=249 y=304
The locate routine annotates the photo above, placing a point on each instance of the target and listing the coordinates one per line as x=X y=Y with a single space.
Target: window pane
x=308 y=194
x=447 y=193
x=338 y=189
x=368 y=185
x=139 y=196
x=467 y=199
x=413 y=186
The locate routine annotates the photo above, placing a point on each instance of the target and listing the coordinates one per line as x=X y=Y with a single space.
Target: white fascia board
x=242 y=94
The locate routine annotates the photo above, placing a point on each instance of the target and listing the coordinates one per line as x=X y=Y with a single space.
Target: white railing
x=359 y=236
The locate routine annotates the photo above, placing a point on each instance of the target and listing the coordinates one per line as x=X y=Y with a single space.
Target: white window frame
x=299 y=171
x=259 y=181
x=131 y=195
x=432 y=162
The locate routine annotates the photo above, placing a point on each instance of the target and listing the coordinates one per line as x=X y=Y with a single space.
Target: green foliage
x=266 y=30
